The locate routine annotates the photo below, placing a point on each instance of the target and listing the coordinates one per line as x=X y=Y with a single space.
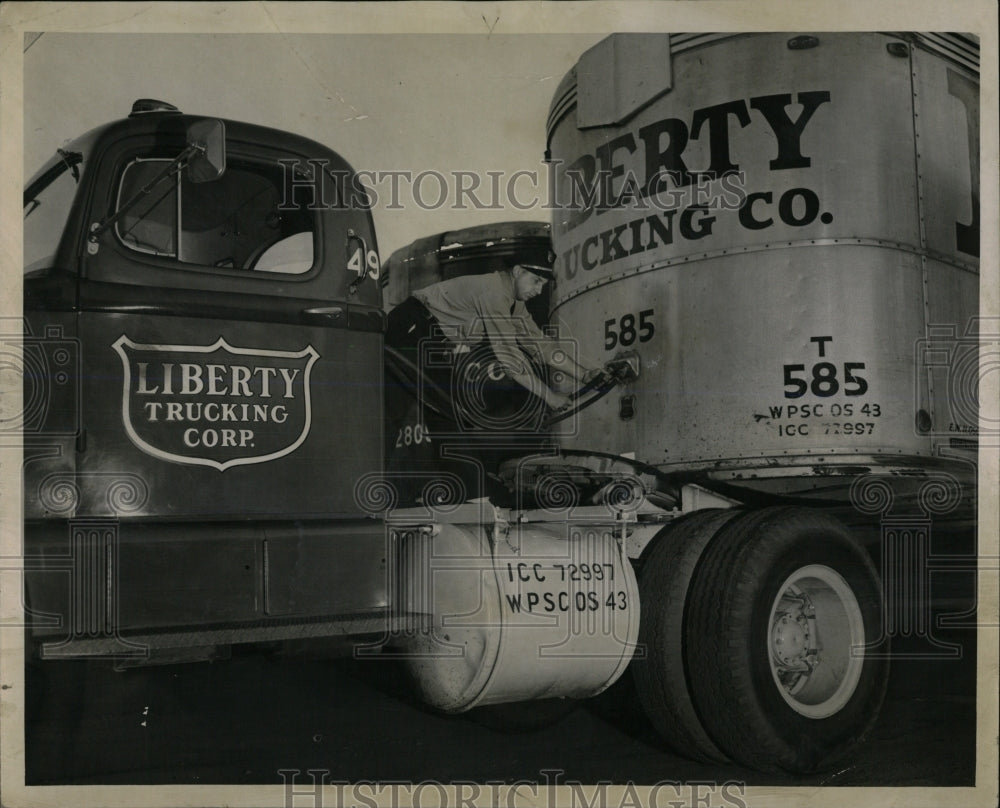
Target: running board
x=140 y=644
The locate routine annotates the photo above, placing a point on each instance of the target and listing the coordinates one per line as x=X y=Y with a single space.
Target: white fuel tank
x=518 y=614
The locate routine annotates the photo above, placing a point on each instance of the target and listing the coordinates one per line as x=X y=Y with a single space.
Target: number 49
x=357 y=263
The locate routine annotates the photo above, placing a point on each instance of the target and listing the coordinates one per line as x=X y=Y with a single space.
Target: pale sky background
x=453 y=102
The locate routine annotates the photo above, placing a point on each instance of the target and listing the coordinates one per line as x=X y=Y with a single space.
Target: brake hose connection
x=620 y=370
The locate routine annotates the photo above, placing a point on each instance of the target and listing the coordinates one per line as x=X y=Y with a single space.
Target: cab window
x=238 y=221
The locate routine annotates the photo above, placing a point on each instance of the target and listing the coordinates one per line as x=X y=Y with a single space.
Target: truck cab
x=215 y=454
x=203 y=386
x=204 y=434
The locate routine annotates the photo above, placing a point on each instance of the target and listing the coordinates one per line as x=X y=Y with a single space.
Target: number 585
x=824 y=382
x=623 y=331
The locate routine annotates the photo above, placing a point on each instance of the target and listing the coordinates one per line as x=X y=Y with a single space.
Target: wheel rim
x=815 y=636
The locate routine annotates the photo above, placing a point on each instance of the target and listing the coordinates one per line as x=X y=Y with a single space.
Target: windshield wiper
x=72 y=160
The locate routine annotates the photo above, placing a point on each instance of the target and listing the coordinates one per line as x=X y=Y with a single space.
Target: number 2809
x=628 y=329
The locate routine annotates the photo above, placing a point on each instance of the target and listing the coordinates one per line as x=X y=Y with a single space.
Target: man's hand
x=592 y=374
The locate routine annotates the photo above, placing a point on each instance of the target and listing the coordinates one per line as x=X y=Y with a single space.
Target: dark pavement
x=241 y=720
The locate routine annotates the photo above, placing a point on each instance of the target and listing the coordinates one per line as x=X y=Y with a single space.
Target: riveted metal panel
x=714 y=385
x=946 y=122
x=735 y=113
x=779 y=282
x=620 y=75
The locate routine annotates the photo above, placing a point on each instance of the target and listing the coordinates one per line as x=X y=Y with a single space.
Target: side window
x=235 y=222
x=151 y=225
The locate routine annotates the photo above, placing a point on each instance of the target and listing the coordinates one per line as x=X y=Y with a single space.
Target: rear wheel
x=783 y=607
x=658 y=668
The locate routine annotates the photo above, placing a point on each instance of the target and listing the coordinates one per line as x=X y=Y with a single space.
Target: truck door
x=231 y=338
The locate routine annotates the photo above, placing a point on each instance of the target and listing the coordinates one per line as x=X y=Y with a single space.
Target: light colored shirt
x=470 y=308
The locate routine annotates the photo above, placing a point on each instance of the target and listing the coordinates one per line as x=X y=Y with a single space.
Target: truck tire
x=778 y=602
x=659 y=671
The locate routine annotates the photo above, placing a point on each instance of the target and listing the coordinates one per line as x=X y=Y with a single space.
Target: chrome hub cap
x=816 y=641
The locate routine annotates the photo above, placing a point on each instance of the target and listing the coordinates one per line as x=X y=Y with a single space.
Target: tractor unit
x=770 y=243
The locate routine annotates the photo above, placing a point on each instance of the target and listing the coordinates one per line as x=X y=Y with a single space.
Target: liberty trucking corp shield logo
x=215 y=405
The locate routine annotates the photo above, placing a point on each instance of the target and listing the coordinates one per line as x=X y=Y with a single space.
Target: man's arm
x=505 y=334
x=517 y=367
x=555 y=355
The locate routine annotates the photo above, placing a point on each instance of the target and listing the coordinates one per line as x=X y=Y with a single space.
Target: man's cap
x=543 y=272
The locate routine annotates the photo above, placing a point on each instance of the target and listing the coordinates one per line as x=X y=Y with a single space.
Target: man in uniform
x=471 y=311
